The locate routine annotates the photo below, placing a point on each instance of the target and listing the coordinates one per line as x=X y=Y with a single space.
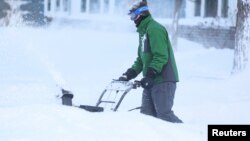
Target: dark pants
x=158 y=101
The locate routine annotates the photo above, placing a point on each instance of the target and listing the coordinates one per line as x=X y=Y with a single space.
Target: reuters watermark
x=235 y=132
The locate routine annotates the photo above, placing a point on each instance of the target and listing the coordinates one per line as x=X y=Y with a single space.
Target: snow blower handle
x=136 y=84
x=133 y=85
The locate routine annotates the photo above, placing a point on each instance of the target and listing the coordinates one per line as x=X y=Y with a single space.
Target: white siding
x=189 y=9
x=74 y=10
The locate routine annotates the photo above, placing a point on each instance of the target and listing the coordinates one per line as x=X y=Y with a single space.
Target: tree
x=20 y=12
x=242 y=36
x=34 y=12
x=13 y=14
x=4 y=7
x=175 y=24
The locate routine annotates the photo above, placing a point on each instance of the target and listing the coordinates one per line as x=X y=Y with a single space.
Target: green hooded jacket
x=155 y=51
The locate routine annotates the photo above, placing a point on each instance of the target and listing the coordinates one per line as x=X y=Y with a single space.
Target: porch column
x=111 y=6
x=190 y=6
x=61 y=6
x=101 y=6
x=219 y=8
x=87 y=6
x=203 y=8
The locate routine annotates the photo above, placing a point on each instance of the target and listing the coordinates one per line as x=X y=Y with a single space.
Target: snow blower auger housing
x=108 y=96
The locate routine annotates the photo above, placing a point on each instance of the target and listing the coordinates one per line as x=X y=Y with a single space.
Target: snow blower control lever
x=108 y=96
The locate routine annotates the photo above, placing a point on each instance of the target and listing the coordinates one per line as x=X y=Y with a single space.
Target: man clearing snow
x=157 y=63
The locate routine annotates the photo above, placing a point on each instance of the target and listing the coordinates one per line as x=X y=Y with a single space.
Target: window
x=211 y=8
x=65 y=5
x=197 y=8
x=224 y=8
x=94 y=6
x=57 y=5
x=83 y=5
x=49 y=5
x=106 y=6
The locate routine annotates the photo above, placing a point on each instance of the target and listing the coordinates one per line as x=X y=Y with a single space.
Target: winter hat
x=139 y=8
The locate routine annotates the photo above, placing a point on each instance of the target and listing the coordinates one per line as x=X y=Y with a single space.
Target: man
x=156 y=62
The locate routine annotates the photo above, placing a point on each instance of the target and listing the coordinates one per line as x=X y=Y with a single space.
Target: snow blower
x=108 y=96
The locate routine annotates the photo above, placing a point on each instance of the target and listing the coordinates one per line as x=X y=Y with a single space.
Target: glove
x=148 y=81
x=128 y=75
x=123 y=78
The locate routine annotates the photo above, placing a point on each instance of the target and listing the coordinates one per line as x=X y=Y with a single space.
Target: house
x=191 y=9
x=210 y=22
x=197 y=17
x=78 y=9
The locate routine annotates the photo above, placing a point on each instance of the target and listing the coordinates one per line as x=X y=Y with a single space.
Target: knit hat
x=138 y=8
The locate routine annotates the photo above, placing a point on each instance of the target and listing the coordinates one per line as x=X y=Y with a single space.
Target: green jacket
x=155 y=51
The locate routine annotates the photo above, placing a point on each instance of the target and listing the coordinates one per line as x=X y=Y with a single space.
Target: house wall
x=208 y=36
x=158 y=8
x=74 y=9
x=3 y=8
x=232 y=10
x=218 y=32
x=211 y=32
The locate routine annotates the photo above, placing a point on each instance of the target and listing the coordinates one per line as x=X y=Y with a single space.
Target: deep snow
x=35 y=63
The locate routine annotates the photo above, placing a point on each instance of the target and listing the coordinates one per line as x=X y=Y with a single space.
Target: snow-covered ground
x=35 y=63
